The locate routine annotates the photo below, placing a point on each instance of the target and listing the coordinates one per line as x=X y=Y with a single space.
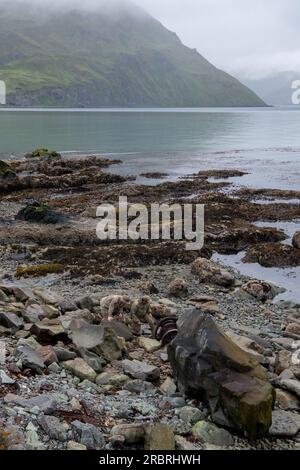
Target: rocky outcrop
x=208 y=364
x=271 y=255
x=296 y=240
x=209 y=272
x=37 y=211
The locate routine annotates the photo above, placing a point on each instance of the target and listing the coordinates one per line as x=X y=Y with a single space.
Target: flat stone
x=30 y=358
x=53 y=427
x=132 y=433
x=11 y=320
x=287 y=343
x=63 y=354
x=159 y=437
x=90 y=435
x=99 y=339
x=46 y=403
x=48 y=330
x=292 y=385
x=47 y=297
x=286 y=400
x=150 y=345
x=33 y=313
x=111 y=378
x=284 y=423
x=209 y=433
x=140 y=370
x=139 y=386
x=81 y=369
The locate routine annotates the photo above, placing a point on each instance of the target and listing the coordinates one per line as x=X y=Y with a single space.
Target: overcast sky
x=249 y=38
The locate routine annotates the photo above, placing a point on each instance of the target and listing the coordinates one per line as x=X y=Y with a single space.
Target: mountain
x=275 y=89
x=106 y=57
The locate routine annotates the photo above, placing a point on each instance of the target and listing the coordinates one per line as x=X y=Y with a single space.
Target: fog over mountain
x=105 y=53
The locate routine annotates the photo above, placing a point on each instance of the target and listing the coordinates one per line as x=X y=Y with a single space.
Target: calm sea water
x=265 y=142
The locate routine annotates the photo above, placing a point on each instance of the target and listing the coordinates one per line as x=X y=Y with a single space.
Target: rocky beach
x=143 y=345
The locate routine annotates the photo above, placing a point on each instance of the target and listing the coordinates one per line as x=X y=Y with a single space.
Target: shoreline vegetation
x=72 y=379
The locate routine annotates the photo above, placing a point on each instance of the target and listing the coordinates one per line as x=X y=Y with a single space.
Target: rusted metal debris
x=166 y=330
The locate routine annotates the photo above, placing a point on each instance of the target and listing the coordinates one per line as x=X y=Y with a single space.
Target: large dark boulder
x=6 y=172
x=38 y=212
x=208 y=365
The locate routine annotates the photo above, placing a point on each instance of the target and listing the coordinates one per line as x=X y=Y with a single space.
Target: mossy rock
x=39 y=270
x=39 y=212
x=6 y=171
x=43 y=152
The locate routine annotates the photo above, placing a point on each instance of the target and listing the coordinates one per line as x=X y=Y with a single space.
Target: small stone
x=90 y=435
x=30 y=341
x=81 y=369
x=184 y=444
x=5 y=379
x=144 y=408
x=209 y=272
x=53 y=427
x=47 y=297
x=54 y=367
x=30 y=358
x=111 y=378
x=72 y=445
x=283 y=361
x=50 y=311
x=11 y=320
x=138 y=386
x=286 y=400
x=93 y=360
x=64 y=354
x=168 y=387
x=140 y=370
x=296 y=240
x=32 y=439
x=291 y=385
x=85 y=303
x=211 y=434
x=48 y=354
x=67 y=306
x=284 y=423
x=159 y=437
x=190 y=415
x=132 y=433
x=150 y=345
x=46 y=403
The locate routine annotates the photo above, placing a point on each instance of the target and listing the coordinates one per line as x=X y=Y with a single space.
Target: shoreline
x=92 y=270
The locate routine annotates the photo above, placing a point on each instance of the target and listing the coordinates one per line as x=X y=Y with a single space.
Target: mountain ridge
x=104 y=59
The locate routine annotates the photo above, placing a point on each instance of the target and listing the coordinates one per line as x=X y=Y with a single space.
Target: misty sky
x=249 y=38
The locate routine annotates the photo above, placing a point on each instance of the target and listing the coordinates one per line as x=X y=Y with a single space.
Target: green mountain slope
x=105 y=58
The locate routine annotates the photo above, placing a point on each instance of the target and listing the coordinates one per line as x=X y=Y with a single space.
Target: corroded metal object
x=166 y=330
